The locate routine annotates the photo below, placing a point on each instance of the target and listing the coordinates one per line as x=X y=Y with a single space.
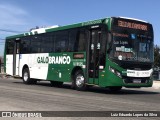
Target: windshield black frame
x=132 y=41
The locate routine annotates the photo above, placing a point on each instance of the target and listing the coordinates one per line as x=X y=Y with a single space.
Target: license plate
x=137 y=81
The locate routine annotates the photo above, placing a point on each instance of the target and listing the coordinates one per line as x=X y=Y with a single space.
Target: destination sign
x=132 y=25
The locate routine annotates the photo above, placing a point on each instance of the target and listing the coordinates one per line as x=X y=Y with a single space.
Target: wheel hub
x=80 y=81
x=25 y=76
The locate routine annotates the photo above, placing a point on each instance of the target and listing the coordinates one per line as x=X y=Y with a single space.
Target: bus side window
x=36 y=44
x=81 y=41
x=9 y=46
x=25 y=45
x=61 y=41
x=77 y=40
x=72 y=47
x=47 y=44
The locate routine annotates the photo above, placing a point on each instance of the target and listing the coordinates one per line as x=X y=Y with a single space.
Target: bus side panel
x=52 y=66
x=37 y=64
x=62 y=64
x=60 y=67
x=9 y=64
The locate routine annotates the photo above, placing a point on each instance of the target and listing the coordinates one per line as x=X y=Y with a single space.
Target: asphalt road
x=16 y=96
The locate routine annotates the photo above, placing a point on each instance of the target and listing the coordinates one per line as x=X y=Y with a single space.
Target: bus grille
x=135 y=80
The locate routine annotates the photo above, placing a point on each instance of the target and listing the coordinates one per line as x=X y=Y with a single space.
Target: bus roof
x=57 y=28
x=133 y=19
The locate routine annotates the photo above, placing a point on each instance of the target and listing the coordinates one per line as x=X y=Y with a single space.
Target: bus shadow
x=124 y=91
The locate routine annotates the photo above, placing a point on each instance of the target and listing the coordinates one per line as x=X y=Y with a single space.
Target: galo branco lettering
x=54 y=60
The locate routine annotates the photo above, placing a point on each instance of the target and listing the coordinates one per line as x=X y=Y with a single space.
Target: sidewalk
x=156 y=84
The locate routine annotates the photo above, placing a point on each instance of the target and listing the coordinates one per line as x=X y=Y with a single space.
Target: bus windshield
x=132 y=41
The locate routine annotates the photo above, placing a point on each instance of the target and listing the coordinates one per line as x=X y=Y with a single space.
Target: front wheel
x=79 y=80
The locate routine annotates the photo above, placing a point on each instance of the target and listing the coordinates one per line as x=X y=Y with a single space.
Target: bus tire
x=26 y=76
x=56 y=83
x=79 y=81
x=115 y=88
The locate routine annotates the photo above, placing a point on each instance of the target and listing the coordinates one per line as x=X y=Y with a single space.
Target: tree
x=0 y=64
x=156 y=56
x=0 y=59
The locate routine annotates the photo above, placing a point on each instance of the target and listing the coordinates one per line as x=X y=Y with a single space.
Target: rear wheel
x=26 y=76
x=79 y=80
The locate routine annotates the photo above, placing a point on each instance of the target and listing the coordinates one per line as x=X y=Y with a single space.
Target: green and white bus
x=113 y=52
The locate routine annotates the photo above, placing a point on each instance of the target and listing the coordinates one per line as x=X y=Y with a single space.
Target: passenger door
x=94 y=50
x=16 y=57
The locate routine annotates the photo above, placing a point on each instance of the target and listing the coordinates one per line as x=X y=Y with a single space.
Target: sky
x=18 y=16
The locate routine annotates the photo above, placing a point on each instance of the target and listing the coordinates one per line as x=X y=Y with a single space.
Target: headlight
x=118 y=74
x=111 y=69
x=115 y=71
